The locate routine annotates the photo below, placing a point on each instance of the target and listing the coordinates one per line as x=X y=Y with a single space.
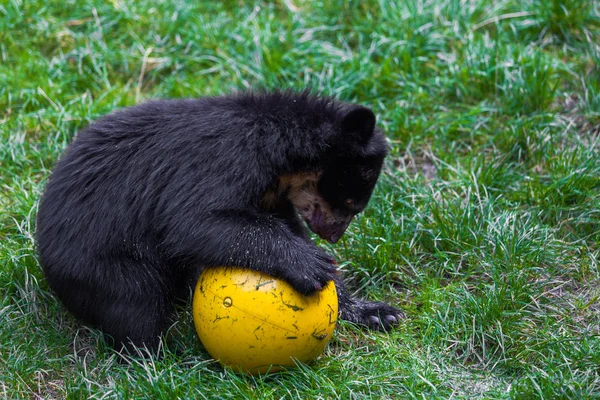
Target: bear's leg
x=129 y=301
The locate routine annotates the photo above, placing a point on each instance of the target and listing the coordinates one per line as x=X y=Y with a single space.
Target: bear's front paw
x=374 y=315
x=312 y=273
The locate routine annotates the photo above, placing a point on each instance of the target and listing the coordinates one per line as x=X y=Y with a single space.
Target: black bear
x=146 y=197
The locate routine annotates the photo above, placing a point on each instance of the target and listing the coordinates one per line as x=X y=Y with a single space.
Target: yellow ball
x=255 y=323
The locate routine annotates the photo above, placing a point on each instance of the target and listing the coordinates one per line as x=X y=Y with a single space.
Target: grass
x=485 y=227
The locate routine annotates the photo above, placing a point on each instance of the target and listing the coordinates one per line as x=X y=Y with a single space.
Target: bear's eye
x=353 y=206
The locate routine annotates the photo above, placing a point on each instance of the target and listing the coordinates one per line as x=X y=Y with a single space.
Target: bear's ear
x=359 y=122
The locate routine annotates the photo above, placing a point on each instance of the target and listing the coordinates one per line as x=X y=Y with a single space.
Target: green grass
x=485 y=227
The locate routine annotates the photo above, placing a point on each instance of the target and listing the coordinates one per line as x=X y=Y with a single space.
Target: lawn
x=484 y=227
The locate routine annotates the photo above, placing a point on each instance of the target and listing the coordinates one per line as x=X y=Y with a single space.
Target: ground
x=485 y=227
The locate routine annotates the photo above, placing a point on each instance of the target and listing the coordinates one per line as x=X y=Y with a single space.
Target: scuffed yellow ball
x=255 y=323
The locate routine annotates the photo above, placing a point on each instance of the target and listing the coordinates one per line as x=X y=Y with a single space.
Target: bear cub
x=146 y=197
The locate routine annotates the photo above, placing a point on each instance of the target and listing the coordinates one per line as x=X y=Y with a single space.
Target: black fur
x=147 y=196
